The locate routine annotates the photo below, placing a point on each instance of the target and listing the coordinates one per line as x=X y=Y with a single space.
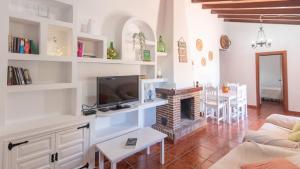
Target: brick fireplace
x=181 y=115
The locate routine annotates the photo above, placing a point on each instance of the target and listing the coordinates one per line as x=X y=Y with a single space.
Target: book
x=10 y=76
x=15 y=75
x=10 y=41
x=22 y=46
x=26 y=46
x=15 y=42
x=33 y=47
x=27 y=77
x=131 y=143
x=18 y=41
x=20 y=73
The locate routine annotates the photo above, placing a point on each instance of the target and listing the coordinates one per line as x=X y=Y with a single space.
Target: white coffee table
x=115 y=151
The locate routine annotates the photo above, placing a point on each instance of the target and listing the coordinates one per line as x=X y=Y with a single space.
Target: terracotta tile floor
x=201 y=149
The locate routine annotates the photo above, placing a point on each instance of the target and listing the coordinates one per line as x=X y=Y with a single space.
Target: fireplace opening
x=186 y=108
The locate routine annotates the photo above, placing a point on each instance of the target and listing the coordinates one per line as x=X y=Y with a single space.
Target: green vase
x=112 y=52
x=161 y=46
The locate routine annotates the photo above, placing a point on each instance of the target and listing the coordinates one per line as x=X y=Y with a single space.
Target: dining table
x=228 y=97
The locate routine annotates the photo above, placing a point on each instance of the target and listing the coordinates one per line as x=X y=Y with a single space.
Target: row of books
x=22 y=45
x=18 y=76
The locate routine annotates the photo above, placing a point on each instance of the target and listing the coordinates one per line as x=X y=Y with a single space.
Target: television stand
x=119 y=107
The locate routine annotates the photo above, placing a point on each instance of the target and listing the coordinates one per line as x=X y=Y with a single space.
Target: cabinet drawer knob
x=52 y=158
x=12 y=145
x=56 y=156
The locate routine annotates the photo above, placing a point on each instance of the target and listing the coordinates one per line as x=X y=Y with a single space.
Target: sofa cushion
x=248 y=152
x=275 y=130
x=283 y=121
x=270 y=134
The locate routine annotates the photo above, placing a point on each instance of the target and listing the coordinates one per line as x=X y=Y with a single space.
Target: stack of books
x=22 y=45
x=18 y=76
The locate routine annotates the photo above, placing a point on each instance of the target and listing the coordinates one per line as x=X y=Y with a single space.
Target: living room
x=185 y=84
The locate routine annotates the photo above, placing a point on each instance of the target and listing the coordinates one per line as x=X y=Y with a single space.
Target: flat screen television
x=117 y=90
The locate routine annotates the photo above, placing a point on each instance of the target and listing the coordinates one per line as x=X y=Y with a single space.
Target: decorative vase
x=161 y=46
x=225 y=89
x=112 y=52
x=91 y=26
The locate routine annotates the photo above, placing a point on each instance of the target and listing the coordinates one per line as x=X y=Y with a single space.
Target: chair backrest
x=233 y=86
x=241 y=93
x=244 y=93
x=212 y=94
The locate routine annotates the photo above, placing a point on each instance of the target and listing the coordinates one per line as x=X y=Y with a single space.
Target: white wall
x=191 y=22
x=206 y=26
x=270 y=71
x=171 y=18
x=238 y=63
x=112 y=14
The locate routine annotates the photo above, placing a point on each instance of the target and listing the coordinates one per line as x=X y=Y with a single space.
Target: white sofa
x=250 y=152
x=275 y=132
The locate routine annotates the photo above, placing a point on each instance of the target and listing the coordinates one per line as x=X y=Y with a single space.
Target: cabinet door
x=32 y=153
x=71 y=148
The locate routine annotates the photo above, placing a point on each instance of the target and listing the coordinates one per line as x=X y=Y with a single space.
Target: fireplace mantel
x=174 y=92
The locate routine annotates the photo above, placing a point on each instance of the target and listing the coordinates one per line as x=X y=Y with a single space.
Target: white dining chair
x=214 y=106
x=239 y=105
x=244 y=99
x=202 y=101
x=232 y=86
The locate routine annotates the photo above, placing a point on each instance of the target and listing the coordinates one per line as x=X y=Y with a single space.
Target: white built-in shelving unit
x=60 y=78
x=53 y=90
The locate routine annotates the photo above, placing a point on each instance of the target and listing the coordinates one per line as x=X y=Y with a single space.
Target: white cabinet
x=71 y=148
x=64 y=149
x=33 y=153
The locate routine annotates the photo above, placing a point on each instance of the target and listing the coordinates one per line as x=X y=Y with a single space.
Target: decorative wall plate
x=225 y=42
x=203 y=61
x=210 y=55
x=199 y=44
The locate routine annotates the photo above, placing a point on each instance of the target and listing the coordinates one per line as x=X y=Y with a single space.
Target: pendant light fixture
x=261 y=40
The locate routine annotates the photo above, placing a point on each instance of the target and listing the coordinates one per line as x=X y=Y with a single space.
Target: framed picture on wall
x=182 y=51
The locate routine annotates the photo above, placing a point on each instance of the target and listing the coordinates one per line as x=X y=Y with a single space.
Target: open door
x=284 y=79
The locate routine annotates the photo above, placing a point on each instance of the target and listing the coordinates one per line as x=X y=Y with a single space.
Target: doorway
x=271 y=78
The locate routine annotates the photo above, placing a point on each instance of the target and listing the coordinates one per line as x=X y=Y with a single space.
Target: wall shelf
x=113 y=61
x=162 y=54
x=33 y=57
x=91 y=36
x=38 y=19
x=157 y=80
x=39 y=87
x=151 y=104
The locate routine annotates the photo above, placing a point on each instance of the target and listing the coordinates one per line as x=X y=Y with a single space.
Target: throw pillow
x=273 y=164
x=294 y=136
x=296 y=127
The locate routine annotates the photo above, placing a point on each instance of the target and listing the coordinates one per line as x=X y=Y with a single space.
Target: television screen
x=117 y=90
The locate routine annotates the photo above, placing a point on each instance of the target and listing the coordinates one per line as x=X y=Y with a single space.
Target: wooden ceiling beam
x=259 y=11
x=230 y=1
x=255 y=5
x=282 y=17
x=265 y=21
